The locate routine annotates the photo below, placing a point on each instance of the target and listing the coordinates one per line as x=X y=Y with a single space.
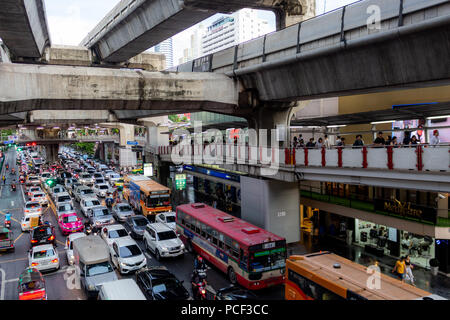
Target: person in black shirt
x=311 y=143
x=359 y=141
x=380 y=140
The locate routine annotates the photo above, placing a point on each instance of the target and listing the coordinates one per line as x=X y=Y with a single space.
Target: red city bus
x=251 y=256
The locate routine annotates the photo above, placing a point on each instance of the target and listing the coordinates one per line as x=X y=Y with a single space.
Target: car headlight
x=112 y=220
x=97 y=222
x=182 y=246
x=123 y=264
x=91 y=287
x=164 y=249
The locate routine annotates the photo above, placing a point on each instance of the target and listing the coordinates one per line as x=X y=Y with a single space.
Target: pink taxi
x=70 y=223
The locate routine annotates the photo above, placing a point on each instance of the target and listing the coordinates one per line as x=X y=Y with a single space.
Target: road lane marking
x=2 y=290
x=18 y=237
x=14 y=260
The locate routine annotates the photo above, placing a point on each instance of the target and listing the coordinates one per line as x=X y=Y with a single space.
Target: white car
x=127 y=256
x=57 y=189
x=113 y=178
x=88 y=203
x=43 y=257
x=162 y=241
x=32 y=207
x=114 y=232
x=40 y=197
x=101 y=189
x=86 y=179
x=32 y=190
x=69 y=245
x=45 y=176
x=63 y=197
x=168 y=218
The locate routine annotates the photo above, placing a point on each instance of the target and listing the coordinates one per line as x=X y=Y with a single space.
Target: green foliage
x=85 y=147
x=174 y=118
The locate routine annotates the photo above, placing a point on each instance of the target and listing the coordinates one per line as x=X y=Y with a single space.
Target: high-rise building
x=166 y=48
x=230 y=30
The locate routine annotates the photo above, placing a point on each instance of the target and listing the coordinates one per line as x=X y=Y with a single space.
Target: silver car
x=122 y=211
x=101 y=189
x=100 y=216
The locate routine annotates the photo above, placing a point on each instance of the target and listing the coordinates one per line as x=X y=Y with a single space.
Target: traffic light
x=50 y=182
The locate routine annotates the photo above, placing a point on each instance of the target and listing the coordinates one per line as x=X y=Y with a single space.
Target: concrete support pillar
x=294 y=11
x=51 y=152
x=272 y=205
x=275 y=116
x=163 y=173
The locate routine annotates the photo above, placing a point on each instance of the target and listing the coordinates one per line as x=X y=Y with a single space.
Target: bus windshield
x=266 y=260
x=158 y=201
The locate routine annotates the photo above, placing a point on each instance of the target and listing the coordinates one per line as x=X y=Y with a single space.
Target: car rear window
x=32 y=205
x=100 y=212
x=103 y=187
x=38 y=195
x=114 y=234
x=44 y=254
x=124 y=208
x=42 y=232
x=64 y=198
x=92 y=203
x=65 y=207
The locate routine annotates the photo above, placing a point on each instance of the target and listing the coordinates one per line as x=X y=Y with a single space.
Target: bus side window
x=214 y=241
x=221 y=245
x=203 y=226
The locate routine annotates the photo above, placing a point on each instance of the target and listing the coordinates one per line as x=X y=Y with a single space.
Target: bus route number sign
x=269 y=245
x=180 y=181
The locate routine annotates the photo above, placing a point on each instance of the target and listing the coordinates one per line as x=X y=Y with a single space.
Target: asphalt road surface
x=60 y=284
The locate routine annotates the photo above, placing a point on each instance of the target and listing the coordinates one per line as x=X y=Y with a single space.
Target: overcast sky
x=71 y=20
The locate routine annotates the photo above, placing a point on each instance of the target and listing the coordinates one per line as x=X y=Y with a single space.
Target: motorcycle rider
x=13 y=185
x=7 y=218
x=196 y=280
x=199 y=263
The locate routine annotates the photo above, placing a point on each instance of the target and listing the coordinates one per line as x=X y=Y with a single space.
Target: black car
x=43 y=234
x=234 y=293
x=158 y=283
x=136 y=226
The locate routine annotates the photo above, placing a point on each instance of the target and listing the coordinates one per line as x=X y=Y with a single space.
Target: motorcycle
x=7 y=223
x=13 y=187
x=13 y=172
x=199 y=289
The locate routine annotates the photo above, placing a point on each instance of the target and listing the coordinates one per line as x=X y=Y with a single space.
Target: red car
x=31 y=285
x=70 y=223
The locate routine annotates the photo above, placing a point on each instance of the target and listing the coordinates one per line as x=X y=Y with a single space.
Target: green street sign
x=180 y=181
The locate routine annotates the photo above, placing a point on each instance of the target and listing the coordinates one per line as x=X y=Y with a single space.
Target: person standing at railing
x=341 y=143
x=413 y=141
x=311 y=143
x=434 y=141
x=319 y=143
x=295 y=143
x=394 y=142
x=326 y=142
x=358 y=142
x=379 y=141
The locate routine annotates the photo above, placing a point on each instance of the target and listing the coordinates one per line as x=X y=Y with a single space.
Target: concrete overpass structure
x=23 y=28
x=33 y=87
x=133 y=26
x=342 y=53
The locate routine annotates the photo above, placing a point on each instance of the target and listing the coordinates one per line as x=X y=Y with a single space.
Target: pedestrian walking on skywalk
x=4 y=180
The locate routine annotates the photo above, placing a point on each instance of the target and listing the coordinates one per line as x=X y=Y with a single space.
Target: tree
x=174 y=118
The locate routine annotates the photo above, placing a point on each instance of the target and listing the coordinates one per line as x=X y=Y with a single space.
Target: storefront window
x=420 y=248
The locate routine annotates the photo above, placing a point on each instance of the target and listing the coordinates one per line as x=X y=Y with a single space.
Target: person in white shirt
x=326 y=142
x=435 y=138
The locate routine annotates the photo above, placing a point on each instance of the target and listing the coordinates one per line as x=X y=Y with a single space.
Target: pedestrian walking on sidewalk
x=399 y=269
x=409 y=275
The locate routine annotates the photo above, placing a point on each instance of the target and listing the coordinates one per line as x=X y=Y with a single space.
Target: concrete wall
x=272 y=205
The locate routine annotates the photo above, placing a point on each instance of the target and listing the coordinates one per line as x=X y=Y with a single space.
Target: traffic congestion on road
x=72 y=230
